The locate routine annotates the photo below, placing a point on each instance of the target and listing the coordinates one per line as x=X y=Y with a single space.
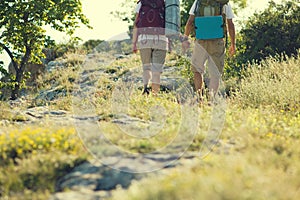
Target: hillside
x=88 y=132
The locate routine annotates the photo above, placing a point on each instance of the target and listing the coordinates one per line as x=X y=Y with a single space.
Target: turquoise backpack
x=210 y=21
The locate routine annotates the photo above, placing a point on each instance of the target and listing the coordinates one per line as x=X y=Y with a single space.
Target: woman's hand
x=134 y=48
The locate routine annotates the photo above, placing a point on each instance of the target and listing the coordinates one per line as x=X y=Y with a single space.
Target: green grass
x=233 y=176
x=258 y=157
x=261 y=161
x=33 y=158
x=260 y=145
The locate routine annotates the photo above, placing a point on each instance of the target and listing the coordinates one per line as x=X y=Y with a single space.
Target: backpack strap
x=224 y=24
x=200 y=11
x=197 y=11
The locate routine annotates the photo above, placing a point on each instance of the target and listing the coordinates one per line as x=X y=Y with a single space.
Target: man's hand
x=231 y=30
x=231 y=50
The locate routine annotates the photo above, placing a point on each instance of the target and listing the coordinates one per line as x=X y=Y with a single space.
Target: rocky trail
x=96 y=178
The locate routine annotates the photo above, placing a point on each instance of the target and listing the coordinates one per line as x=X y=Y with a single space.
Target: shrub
x=273 y=31
x=32 y=159
x=18 y=144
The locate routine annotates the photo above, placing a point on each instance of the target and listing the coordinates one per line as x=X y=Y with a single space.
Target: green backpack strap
x=217 y=6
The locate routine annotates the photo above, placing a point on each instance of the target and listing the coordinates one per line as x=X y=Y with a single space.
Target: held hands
x=185 y=46
x=185 y=43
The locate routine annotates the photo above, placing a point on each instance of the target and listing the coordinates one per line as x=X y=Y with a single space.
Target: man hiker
x=209 y=45
x=149 y=37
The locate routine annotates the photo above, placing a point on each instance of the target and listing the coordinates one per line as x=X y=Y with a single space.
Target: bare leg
x=155 y=82
x=146 y=79
x=198 y=81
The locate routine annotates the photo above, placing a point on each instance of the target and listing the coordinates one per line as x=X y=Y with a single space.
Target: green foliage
x=18 y=144
x=33 y=158
x=186 y=68
x=2 y=70
x=35 y=177
x=23 y=36
x=271 y=32
x=71 y=46
x=115 y=47
x=90 y=45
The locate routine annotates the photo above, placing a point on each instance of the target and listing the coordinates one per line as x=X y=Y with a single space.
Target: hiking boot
x=146 y=91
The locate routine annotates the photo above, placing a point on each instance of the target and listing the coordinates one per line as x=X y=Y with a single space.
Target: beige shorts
x=152 y=41
x=153 y=54
x=212 y=52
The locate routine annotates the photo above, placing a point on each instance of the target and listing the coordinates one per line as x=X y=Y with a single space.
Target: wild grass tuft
x=274 y=84
x=33 y=158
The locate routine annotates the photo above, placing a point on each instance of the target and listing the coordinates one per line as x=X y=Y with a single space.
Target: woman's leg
x=158 y=60
x=146 y=62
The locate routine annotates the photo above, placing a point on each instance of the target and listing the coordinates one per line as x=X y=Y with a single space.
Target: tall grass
x=272 y=83
x=258 y=154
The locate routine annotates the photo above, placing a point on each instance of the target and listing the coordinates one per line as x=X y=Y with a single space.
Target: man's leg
x=216 y=49
x=198 y=82
x=199 y=58
x=215 y=76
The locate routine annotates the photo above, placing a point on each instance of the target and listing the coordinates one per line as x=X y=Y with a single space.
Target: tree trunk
x=20 y=74
x=16 y=90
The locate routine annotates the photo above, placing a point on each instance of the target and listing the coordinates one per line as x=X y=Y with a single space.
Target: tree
x=23 y=35
x=90 y=45
x=274 y=31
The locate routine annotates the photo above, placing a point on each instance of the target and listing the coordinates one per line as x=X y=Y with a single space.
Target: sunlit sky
x=107 y=27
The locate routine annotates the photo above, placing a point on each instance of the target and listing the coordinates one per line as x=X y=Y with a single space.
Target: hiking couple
x=210 y=19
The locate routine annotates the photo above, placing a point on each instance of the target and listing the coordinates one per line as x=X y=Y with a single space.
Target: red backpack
x=151 y=18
